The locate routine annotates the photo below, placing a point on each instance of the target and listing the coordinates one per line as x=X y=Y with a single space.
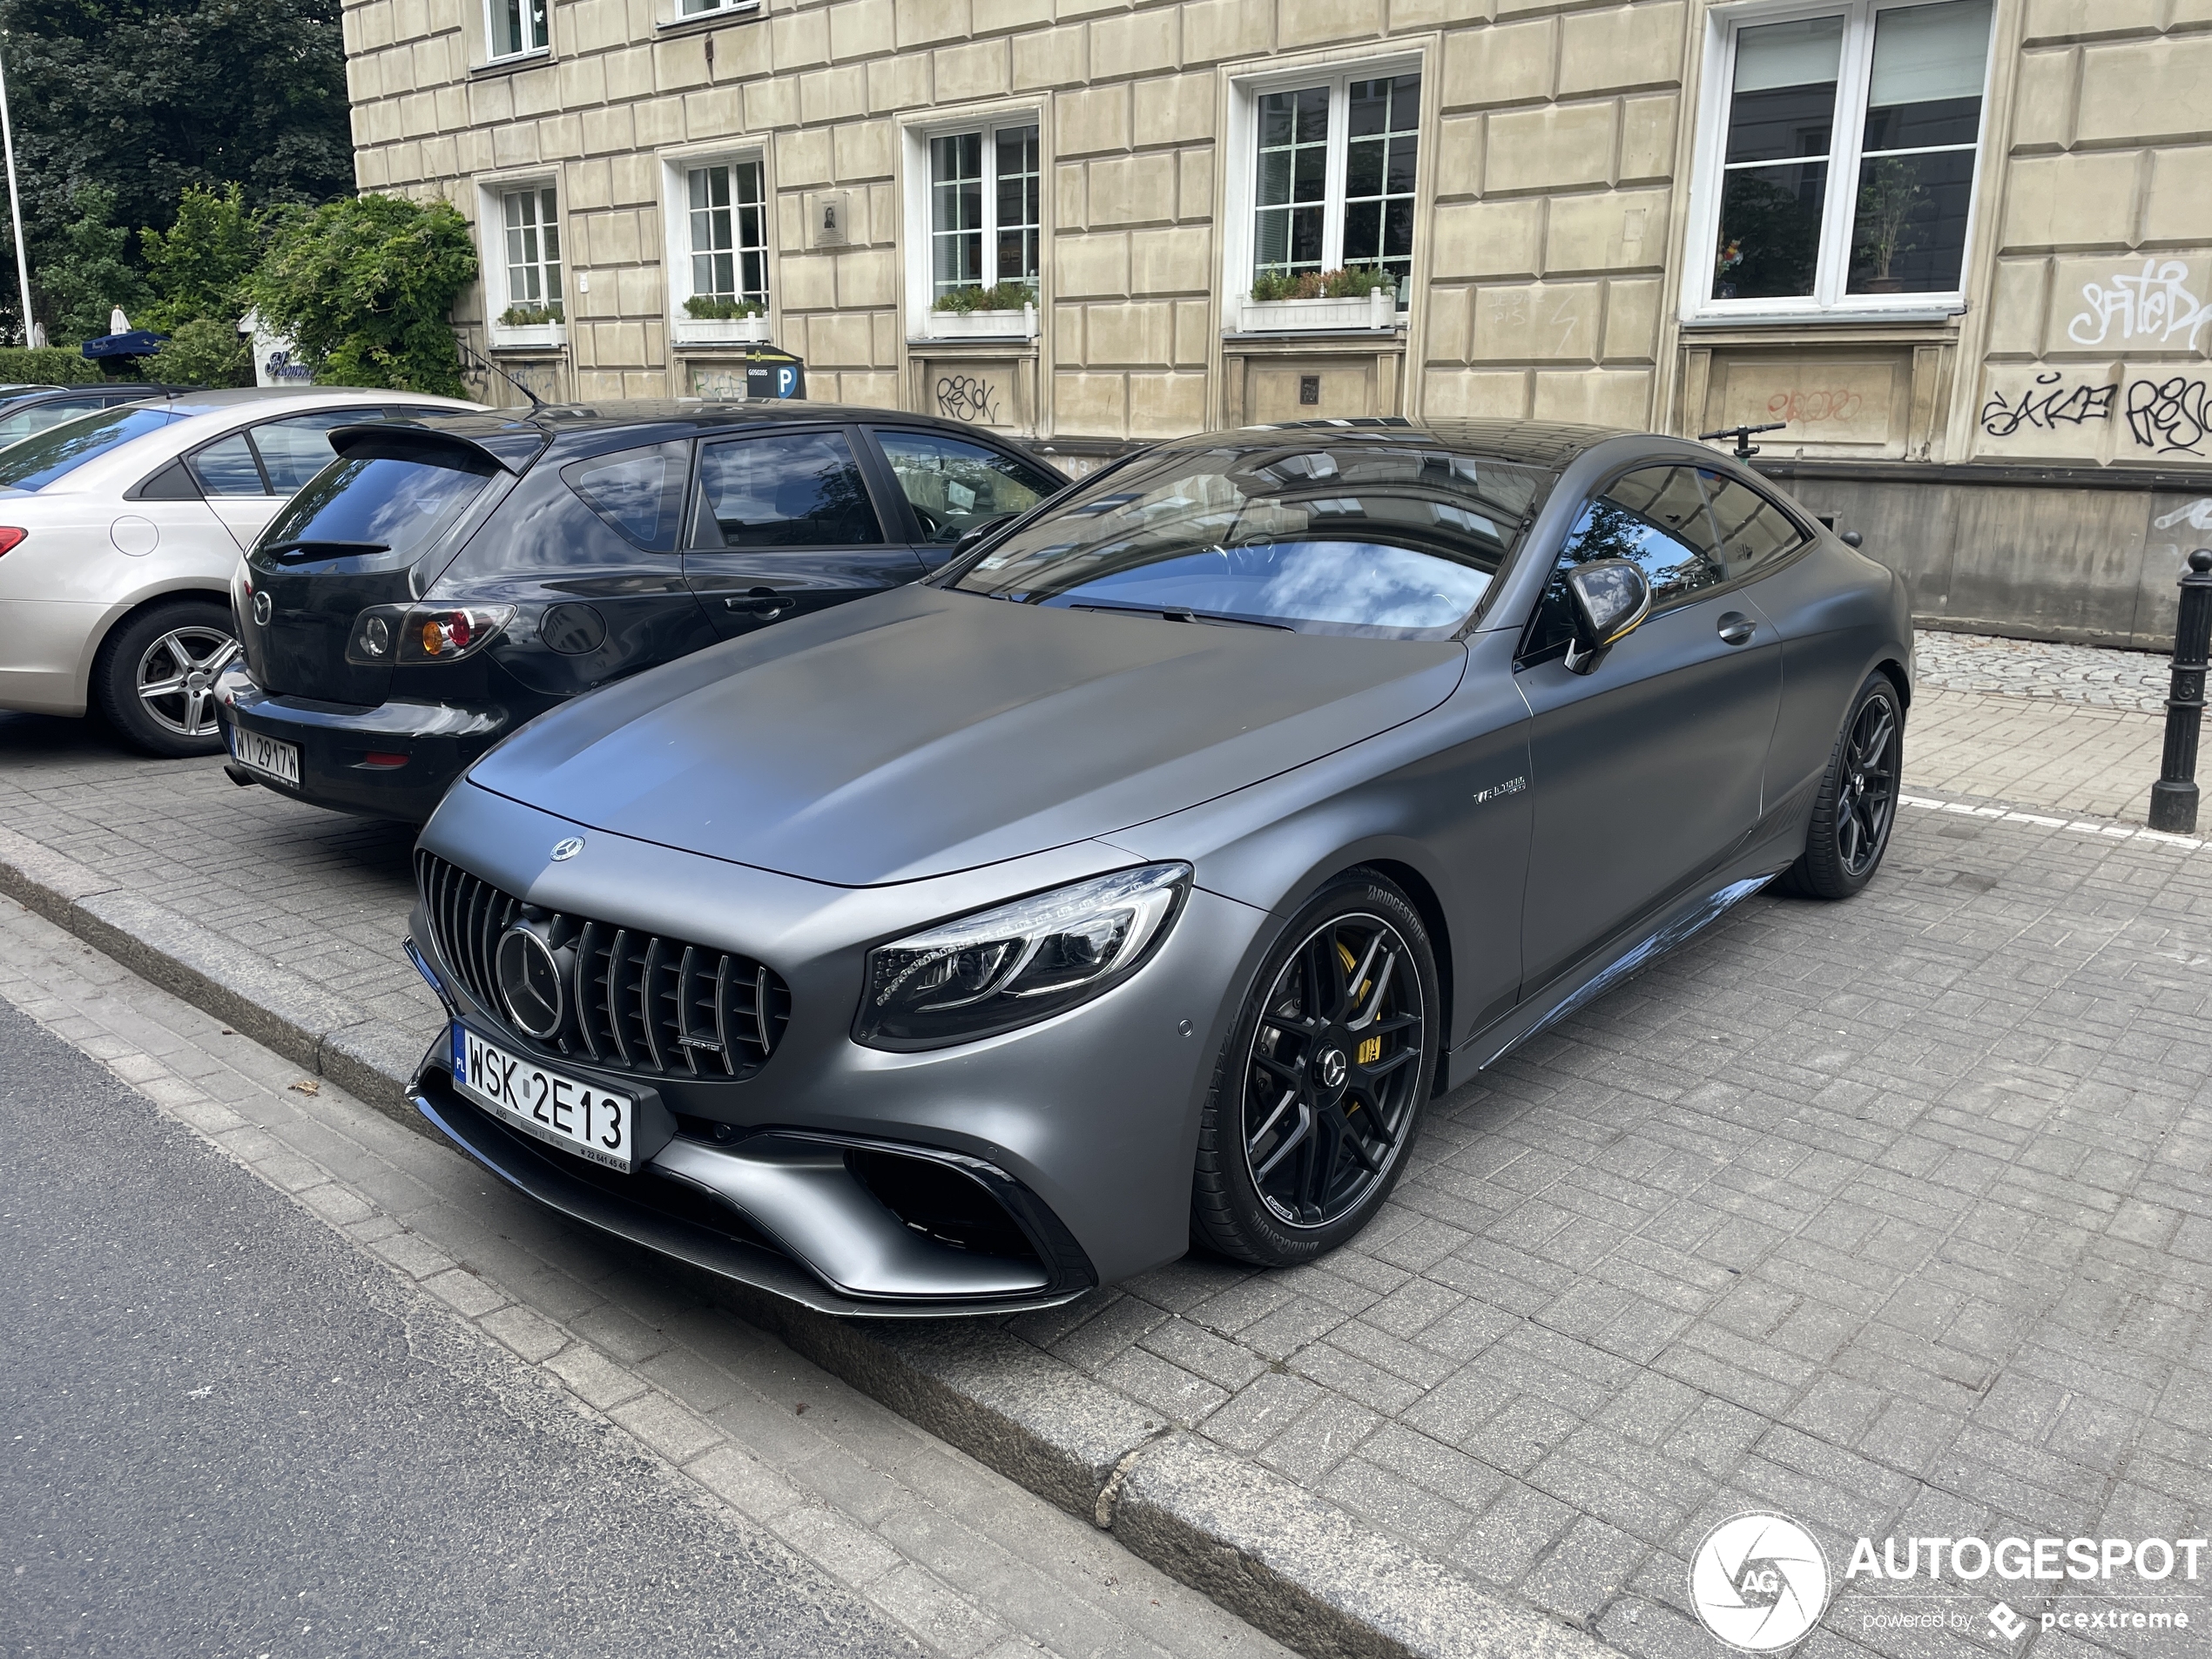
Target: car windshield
x=59 y=450
x=1390 y=540
x=377 y=506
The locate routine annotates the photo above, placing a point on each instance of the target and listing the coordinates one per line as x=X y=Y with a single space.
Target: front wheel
x=1318 y=1095
x=155 y=676
x=1857 y=806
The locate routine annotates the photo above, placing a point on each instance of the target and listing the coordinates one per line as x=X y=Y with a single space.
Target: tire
x=1857 y=806
x=154 y=676
x=1281 y=1181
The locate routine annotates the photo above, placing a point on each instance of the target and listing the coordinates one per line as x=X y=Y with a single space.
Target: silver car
x=1140 y=877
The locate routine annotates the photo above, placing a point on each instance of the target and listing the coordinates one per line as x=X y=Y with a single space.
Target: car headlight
x=1023 y=961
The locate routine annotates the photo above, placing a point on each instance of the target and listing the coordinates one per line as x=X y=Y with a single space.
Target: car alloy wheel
x=1319 y=1091
x=1867 y=797
x=176 y=678
x=1330 y=1072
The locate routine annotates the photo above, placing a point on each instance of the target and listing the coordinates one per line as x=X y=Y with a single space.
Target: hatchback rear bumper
x=343 y=747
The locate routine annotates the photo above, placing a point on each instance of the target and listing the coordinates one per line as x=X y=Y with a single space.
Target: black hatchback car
x=441 y=582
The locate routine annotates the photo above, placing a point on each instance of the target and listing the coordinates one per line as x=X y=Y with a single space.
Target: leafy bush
x=94 y=274
x=714 y=307
x=205 y=352
x=49 y=366
x=200 y=265
x=532 y=316
x=1004 y=296
x=365 y=288
x=1353 y=283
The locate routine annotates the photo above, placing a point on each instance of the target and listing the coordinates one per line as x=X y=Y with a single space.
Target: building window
x=700 y=8
x=532 y=228
x=986 y=215
x=514 y=26
x=1848 y=143
x=729 y=232
x=1333 y=189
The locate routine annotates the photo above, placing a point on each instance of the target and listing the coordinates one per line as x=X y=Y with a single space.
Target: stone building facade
x=1962 y=248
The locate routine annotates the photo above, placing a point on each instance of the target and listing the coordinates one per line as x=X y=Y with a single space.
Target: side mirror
x=1852 y=539
x=1610 y=596
x=975 y=535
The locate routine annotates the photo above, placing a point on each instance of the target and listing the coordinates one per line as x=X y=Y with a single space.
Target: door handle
x=1736 y=628
x=764 y=602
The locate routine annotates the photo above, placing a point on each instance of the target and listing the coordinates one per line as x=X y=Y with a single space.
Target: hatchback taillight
x=10 y=536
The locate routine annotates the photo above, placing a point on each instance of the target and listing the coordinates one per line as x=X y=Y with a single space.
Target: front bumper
x=440 y=741
x=1083 y=1128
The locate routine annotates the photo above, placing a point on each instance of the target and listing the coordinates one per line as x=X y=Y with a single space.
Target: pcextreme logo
x=1759 y=1582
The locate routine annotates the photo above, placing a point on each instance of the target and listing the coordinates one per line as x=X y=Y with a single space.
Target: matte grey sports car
x=1139 y=878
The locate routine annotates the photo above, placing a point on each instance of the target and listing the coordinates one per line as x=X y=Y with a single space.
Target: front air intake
x=633 y=1000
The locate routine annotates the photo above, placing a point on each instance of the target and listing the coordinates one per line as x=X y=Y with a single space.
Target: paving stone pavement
x=967 y=1561
x=1895 y=1216
x=2091 y=676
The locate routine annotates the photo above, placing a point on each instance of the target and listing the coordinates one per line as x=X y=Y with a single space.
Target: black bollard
x=2173 y=798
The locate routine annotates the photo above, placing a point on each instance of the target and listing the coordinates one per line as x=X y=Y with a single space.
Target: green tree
x=200 y=265
x=365 y=288
x=206 y=351
x=147 y=97
x=93 y=272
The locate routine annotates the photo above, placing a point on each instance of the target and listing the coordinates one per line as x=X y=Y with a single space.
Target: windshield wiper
x=339 y=549
x=1183 y=613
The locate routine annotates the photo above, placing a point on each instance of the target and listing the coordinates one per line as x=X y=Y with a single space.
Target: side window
x=296 y=448
x=954 y=486
x=793 y=489
x=227 y=466
x=1656 y=516
x=1754 y=532
x=38 y=417
x=640 y=492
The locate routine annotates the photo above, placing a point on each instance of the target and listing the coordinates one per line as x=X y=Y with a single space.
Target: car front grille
x=633 y=1000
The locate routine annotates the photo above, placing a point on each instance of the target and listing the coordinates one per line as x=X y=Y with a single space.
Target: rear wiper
x=336 y=549
x=1183 y=613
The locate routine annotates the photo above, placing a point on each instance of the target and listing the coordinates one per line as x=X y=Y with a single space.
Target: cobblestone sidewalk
x=1895 y=1216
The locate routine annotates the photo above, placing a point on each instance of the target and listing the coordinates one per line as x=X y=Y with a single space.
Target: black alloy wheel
x=1857 y=806
x=1320 y=1092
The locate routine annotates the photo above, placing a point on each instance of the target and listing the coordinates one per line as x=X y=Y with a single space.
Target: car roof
x=559 y=420
x=1547 y=444
x=228 y=398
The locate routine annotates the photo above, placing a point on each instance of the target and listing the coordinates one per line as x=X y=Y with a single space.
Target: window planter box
x=538 y=336
x=980 y=325
x=1377 y=310
x=721 y=331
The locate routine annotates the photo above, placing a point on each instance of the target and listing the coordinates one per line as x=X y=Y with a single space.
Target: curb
x=1287 y=1561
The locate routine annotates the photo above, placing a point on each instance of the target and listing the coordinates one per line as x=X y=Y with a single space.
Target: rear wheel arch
x=1895 y=672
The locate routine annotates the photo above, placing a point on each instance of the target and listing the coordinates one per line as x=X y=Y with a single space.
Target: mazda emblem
x=530 y=982
x=264 y=608
x=565 y=850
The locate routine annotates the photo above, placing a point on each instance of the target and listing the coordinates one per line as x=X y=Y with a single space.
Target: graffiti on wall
x=2152 y=306
x=1810 y=406
x=2169 y=416
x=965 y=397
x=2047 y=405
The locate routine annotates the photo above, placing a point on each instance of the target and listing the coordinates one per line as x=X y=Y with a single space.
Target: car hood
x=924 y=732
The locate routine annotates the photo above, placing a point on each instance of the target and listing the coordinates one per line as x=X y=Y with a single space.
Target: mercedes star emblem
x=530 y=982
x=566 y=849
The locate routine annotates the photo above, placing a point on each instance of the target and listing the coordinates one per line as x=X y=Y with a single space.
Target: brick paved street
x=1895 y=1216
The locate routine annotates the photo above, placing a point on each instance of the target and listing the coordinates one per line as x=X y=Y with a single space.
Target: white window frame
x=1829 y=301
x=677 y=167
x=923 y=323
x=692 y=10
x=491 y=224
x=542 y=45
x=1240 y=159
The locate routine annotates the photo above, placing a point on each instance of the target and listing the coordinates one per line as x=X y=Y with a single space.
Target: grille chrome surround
x=636 y=1002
